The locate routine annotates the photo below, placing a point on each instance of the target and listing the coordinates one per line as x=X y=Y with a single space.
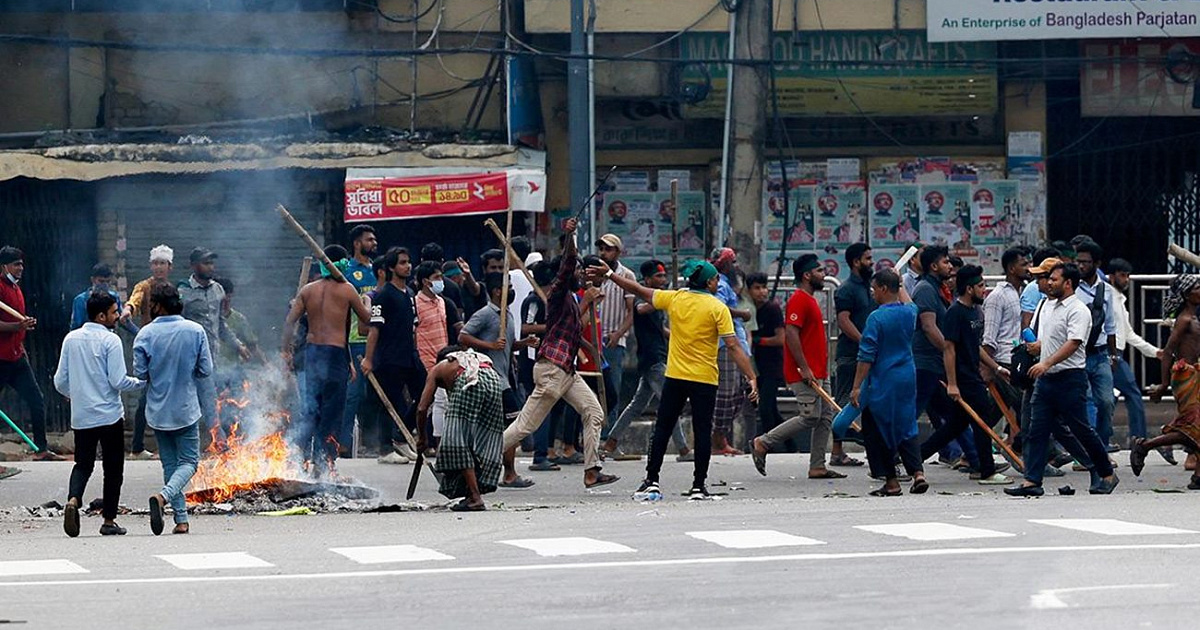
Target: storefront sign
x=390 y=198
x=1131 y=78
x=1005 y=20
x=852 y=73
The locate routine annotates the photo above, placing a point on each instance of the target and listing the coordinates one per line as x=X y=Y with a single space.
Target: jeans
x=881 y=458
x=616 y=370
x=649 y=389
x=355 y=393
x=815 y=415
x=1060 y=401
x=325 y=378
x=1126 y=384
x=932 y=399
x=1100 y=380
x=179 y=451
x=956 y=424
x=676 y=393
x=19 y=375
x=394 y=381
x=111 y=439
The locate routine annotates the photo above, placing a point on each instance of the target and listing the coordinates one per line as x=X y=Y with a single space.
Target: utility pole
x=578 y=123
x=748 y=111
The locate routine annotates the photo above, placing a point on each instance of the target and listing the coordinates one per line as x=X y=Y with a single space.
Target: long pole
x=305 y=270
x=387 y=404
x=491 y=225
x=503 y=333
x=1014 y=427
x=675 y=233
x=599 y=359
x=319 y=253
x=986 y=428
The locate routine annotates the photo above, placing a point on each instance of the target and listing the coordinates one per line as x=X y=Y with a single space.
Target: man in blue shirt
x=102 y=276
x=174 y=354
x=731 y=390
x=91 y=374
x=360 y=275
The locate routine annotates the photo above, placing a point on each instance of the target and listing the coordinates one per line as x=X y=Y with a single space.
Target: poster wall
x=643 y=221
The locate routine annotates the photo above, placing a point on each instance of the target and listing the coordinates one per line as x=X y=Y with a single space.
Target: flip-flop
x=1137 y=457
x=919 y=486
x=71 y=520
x=602 y=480
x=884 y=492
x=828 y=474
x=545 y=466
x=518 y=483
x=1194 y=484
x=844 y=460
x=156 y=516
x=463 y=506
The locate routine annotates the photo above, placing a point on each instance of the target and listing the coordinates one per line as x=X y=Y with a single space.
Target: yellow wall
x=667 y=16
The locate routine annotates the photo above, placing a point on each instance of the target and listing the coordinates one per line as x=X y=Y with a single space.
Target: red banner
x=424 y=197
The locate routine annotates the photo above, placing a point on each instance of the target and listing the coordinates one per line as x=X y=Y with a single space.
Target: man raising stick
x=327 y=303
x=554 y=374
x=698 y=321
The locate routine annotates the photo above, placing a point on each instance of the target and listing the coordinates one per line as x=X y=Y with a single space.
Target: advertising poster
x=690 y=222
x=633 y=217
x=840 y=219
x=799 y=231
x=946 y=216
x=994 y=212
x=895 y=215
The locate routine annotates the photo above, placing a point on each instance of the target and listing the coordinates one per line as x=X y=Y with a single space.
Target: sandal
x=827 y=474
x=602 y=480
x=1137 y=456
x=885 y=492
x=463 y=506
x=1194 y=484
x=920 y=486
x=842 y=459
x=545 y=466
x=518 y=483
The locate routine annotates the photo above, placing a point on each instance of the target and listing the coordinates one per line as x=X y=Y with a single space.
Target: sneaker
x=393 y=458
x=699 y=493
x=406 y=451
x=142 y=456
x=648 y=491
x=996 y=480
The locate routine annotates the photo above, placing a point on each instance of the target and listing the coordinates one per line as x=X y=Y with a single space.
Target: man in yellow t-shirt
x=698 y=321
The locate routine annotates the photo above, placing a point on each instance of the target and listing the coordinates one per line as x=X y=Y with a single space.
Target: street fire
x=255 y=456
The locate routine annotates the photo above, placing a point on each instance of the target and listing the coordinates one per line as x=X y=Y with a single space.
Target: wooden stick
x=1184 y=255
x=387 y=404
x=12 y=311
x=503 y=333
x=319 y=253
x=979 y=422
x=516 y=261
x=908 y=255
x=599 y=360
x=1014 y=426
x=674 y=233
x=305 y=269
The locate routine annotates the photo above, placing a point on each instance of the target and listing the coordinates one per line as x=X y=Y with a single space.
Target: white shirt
x=612 y=305
x=1087 y=295
x=1059 y=322
x=1125 y=332
x=521 y=288
x=91 y=372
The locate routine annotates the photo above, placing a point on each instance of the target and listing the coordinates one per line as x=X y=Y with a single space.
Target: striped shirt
x=1002 y=321
x=430 y=328
x=613 y=306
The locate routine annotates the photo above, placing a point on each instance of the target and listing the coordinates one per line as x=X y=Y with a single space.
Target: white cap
x=162 y=252
x=533 y=257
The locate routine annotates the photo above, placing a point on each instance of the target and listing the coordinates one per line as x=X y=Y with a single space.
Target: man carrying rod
x=327 y=303
x=698 y=320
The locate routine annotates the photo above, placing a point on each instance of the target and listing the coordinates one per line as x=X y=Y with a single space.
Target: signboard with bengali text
x=426 y=196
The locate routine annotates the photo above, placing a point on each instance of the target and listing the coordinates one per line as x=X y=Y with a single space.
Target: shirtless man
x=1183 y=347
x=327 y=303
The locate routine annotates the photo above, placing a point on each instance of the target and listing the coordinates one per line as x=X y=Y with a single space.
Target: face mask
x=437 y=287
x=11 y=278
x=512 y=295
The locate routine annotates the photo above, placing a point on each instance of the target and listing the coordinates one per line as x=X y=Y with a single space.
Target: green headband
x=971 y=281
x=809 y=266
x=341 y=265
x=703 y=271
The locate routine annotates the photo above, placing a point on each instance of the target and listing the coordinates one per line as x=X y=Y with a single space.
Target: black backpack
x=1097 y=309
x=1022 y=360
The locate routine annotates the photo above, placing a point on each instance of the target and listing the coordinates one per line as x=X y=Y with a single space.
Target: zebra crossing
x=581 y=546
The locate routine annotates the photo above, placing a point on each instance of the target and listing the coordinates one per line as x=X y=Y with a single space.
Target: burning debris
x=255 y=463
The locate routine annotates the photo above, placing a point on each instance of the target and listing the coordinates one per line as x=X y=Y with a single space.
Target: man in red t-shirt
x=15 y=371
x=805 y=364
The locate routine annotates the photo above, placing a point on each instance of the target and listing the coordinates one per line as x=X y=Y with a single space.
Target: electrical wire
x=390 y=18
x=677 y=35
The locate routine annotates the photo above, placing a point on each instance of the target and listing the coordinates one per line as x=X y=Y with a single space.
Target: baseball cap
x=201 y=254
x=611 y=240
x=1046 y=266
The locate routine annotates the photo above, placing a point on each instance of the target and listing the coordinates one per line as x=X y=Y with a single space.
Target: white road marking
x=1110 y=527
x=571 y=546
x=627 y=564
x=1049 y=599
x=928 y=532
x=390 y=553
x=224 y=560
x=13 y=568
x=754 y=539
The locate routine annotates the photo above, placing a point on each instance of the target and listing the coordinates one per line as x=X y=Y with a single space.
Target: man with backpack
x=1101 y=344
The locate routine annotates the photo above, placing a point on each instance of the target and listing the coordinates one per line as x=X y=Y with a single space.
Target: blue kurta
x=890 y=391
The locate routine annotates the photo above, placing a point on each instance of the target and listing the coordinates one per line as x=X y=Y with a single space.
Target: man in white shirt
x=91 y=374
x=1123 y=379
x=1061 y=389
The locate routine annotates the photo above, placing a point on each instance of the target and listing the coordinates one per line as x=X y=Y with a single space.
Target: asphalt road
x=782 y=552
